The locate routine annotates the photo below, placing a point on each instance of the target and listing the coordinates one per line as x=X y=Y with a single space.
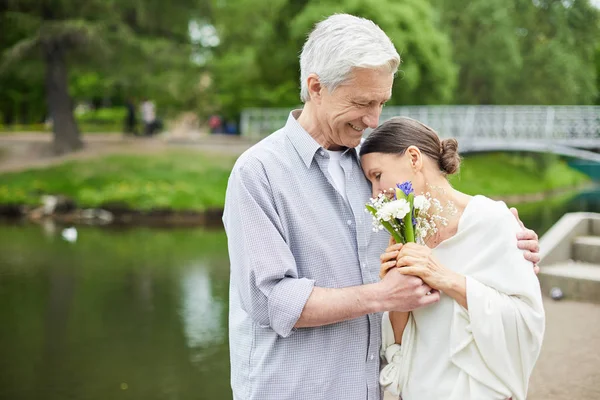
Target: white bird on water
x=70 y=234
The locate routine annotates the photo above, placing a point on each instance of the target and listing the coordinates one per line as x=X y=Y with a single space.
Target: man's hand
x=405 y=293
x=528 y=240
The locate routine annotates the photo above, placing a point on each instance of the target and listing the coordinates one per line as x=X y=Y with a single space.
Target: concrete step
x=586 y=249
x=595 y=226
x=577 y=280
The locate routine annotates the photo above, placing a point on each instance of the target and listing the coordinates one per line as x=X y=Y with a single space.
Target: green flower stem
x=409 y=230
x=388 y=227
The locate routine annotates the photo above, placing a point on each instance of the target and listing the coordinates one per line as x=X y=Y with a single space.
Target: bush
x=104 y=116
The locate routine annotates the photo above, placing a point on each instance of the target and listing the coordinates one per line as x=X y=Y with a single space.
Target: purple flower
x=406 y=187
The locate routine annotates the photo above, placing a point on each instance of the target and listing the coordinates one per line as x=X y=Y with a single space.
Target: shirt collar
x=306 y=146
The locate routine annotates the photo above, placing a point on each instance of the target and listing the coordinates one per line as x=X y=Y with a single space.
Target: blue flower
x=406 y=187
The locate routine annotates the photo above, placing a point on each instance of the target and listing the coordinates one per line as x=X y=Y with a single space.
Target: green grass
x=185 y=180
x=498 y=174
x=83 y=128
x=92 y=121
x=178 y=180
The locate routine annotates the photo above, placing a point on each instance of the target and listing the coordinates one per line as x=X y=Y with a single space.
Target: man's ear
x=315 y=89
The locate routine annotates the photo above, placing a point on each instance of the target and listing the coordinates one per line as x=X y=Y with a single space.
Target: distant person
x=231 y=128
x=148 y=111
x=130 y=118
x=215 y=123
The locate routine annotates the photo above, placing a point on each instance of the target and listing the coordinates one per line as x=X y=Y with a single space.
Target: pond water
x=132 y=313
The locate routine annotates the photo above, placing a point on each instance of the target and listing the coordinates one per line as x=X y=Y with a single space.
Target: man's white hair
x=340 y=43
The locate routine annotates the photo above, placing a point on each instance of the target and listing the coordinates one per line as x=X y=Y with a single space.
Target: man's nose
x=372 y=118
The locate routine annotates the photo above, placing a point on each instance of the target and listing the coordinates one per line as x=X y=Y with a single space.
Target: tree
x=558 y=39
x=126 y=38
x=255 y=64
x=486 y=48
x=522 y=51
x=427 y=74
x=264 y=38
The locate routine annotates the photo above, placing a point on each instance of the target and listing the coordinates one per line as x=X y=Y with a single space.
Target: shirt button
x=349 y=222
x=322 y=152
x=372 y=357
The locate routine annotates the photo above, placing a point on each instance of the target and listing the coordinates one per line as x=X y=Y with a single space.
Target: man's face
x=354 y=106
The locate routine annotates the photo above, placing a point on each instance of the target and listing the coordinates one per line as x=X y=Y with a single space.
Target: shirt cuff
x=286 y=302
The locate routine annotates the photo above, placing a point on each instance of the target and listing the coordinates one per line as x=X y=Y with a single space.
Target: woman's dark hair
x=398 y=134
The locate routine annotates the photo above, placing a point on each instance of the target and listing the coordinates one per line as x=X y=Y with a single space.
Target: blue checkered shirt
x=289 y=230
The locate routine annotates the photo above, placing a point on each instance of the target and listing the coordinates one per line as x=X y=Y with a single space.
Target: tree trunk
x=64 y=128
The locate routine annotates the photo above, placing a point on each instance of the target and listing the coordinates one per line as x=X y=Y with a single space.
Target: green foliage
x=266 y=42
x=558 y=45
x=523 y=51
x=114 y=115
x=427 y=74
x=113 y=49
x=176 y=179
x=499 y=174
x=460 y=51
x=485 y=46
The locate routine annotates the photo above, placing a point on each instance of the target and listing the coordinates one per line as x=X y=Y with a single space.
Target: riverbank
x=187 y=186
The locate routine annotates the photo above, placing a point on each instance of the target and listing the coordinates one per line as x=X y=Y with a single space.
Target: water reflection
x=200 y=312
x=540 y=216
x=136 y=314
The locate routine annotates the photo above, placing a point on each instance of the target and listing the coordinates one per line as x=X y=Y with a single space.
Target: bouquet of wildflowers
x=408 y=218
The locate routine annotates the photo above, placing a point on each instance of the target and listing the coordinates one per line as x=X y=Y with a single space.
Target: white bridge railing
x=574 y=126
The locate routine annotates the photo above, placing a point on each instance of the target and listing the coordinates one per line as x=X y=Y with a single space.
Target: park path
x=32 y=150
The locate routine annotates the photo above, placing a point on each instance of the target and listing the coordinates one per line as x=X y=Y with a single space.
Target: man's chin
x=353 y=143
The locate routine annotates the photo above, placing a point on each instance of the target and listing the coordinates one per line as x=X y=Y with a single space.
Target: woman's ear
x=415 y=158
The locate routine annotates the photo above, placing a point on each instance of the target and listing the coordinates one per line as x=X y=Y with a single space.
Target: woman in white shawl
x=482 y=339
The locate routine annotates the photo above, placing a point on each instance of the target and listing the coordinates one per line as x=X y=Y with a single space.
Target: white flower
x=421 y=203
x=393 y=209
x=422 y=232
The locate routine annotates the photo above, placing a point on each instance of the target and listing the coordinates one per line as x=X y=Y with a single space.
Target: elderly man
x=305 y=296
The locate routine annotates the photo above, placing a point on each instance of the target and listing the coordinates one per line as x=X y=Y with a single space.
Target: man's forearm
x=327 y=306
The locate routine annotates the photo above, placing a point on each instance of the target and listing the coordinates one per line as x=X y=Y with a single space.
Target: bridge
x=572 y=131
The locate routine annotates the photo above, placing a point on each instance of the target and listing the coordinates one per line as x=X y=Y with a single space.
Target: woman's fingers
x=414 y=271
x=415 y=250
x=394 y=247
x=403 y=261
x=385 y=267
x=388 y=256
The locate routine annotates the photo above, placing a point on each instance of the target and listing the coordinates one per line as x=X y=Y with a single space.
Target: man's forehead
x=378 y=96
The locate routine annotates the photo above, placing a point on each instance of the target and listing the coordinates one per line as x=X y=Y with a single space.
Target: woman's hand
x=388 y=258
x=418 y=260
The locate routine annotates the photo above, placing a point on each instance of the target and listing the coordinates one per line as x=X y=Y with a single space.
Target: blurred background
x=120 y=122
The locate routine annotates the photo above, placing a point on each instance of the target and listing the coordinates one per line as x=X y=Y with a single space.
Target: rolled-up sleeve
x=263 y=270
